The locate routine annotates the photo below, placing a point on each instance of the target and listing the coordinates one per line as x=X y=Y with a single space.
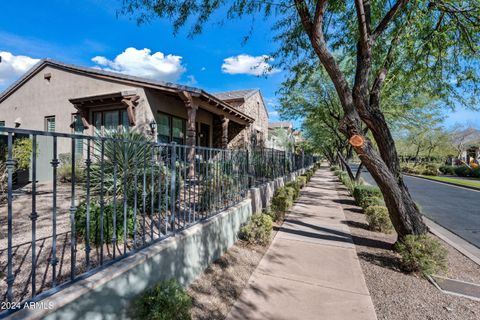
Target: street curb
x=444 y=182
x=464 y=247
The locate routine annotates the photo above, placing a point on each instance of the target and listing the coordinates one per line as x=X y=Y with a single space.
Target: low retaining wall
x=107 y=294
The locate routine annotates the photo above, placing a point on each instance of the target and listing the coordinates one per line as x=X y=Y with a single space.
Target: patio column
x=225 y=121
x=192 y=108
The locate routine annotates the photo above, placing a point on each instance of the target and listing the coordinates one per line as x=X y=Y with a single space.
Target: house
x=467 y=144
x=250 y=102
x=54 y=96
x=281 y=136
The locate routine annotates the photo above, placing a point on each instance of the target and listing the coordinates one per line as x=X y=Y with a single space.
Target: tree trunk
x=358 y=107
x=402 y=209
x=358 y=175
x=346 y=166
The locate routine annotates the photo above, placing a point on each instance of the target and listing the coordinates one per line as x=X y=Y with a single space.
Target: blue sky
x=79 y=31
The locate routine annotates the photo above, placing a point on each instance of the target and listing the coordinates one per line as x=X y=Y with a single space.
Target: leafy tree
x=426 y=141
x=431 y=42
x=283 y=139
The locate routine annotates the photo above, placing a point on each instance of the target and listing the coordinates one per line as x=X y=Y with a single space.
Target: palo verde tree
x=423 y=41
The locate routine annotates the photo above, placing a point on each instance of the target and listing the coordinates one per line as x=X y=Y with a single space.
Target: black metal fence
x=106 y=197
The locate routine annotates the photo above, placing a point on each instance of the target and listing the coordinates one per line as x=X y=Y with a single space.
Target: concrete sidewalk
x=311 y=270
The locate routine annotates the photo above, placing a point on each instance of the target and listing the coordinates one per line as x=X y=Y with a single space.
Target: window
x=2 y=123
x=50 y=124
x=163 y=127
x=111 y=120
x=78 y=129
x=178 y=129
x=170 y=128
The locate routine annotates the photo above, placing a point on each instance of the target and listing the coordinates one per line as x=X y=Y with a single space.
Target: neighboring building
x=467 y=143
x=53 y=96
x=250 y=102
x=280 y=136
x=298 y=137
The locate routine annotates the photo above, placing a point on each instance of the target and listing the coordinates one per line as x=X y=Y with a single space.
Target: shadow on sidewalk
x=325 y=233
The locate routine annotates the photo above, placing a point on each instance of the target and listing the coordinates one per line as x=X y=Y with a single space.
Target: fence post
x=173 y=179
x=10 y=166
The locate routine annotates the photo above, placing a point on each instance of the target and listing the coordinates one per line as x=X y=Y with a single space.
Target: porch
x=184 y=117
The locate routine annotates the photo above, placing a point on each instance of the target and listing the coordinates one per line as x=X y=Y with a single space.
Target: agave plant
x=130 y=165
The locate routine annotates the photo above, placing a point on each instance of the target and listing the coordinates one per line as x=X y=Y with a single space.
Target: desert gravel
x=401 y=296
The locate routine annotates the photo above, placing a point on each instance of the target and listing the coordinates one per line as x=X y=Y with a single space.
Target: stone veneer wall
x=255 y=108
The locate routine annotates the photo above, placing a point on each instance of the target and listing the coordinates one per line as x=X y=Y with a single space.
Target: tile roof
x=119 y=76
x=236 y=94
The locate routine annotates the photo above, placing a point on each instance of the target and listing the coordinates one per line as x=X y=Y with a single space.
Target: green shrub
x=462 y=171
x=282 y=201
x=3 y=178
x=95 y=222
x=309 y=174
x=447 y=169
x=295 y=189
x=22 y=153
x=475 y=173
x=422 y=254
x=361 y=192
x=378 y=219
x=165 y=301
x=338 y=172
x=334 y=168
x=347 y=182
x=301 y=181
x=258 y=230
x=371 y=201
x=269 y=212
x=64 y=171
x=430 y=170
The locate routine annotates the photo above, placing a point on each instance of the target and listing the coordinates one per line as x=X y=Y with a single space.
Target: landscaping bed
x=396 y=294
x=214 y=293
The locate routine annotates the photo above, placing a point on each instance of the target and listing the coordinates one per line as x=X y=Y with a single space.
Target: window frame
x=46 y=120
x=170 y=128
x=119 y=111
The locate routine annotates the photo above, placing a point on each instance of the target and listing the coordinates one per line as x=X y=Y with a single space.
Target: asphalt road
x=454 y=208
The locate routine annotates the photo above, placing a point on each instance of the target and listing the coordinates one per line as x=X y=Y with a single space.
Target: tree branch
x=319 y=45
x=398 y=6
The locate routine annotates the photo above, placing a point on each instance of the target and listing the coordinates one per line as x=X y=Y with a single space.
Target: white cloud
x=13 y=66
x=273 y=113
x=143 y=63
x=246 y=64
